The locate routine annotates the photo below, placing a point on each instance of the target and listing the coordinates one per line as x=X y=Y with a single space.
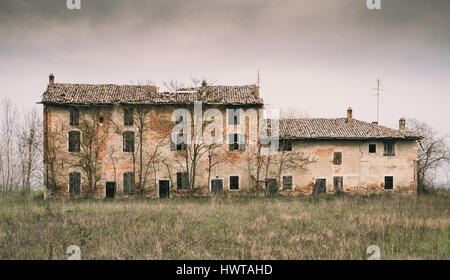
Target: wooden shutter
x=128 y=116
x=74 y=141
x=126 y=183
x=74 y=116
x=337 y=158
x=287 y=182
x=241 y=138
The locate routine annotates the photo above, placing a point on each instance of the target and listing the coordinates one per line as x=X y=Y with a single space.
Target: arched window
x=129 y=186
x=74 y=183
x=74 y=141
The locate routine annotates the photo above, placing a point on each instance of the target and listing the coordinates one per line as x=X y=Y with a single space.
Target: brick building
x=114 y=141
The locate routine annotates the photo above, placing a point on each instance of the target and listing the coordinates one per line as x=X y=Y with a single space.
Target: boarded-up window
x=74 y=116
x=74 y=141
x=128 y=116
x=233 y=116
x=337 y=158
x=236 y=142
x=128 y=183
x=372 y=148
x=338 y=183
x=389 y=149
x=74 y=183
x=178 y=142
x=287 y=183
x=234 y=182
x=320 y=186
x=128 y=141
x=182 y=180
x=389 y=182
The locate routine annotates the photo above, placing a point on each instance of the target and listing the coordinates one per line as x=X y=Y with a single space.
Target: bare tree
x=29 y=147
x=434 y=154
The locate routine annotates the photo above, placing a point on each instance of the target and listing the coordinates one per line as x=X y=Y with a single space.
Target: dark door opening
x=164 y=190
x=110 y=189
x=320 y=186
x=271 y=186
x=216 y=186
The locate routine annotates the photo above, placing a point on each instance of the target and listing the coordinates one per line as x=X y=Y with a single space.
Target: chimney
x=349 y=114
x=51 y=80
x=204 y=83
x=402 y=124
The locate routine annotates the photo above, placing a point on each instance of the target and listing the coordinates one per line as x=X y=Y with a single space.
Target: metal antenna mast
x=378 y=89
x=258 y=77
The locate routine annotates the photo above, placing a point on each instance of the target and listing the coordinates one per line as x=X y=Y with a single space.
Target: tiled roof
x=339 y=128
x=62 y=93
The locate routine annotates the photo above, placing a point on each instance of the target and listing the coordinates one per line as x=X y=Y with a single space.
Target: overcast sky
x=318 y=56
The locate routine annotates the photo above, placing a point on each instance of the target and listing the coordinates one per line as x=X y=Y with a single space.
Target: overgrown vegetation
x=307 y=227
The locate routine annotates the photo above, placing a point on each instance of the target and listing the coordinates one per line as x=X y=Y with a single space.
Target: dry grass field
x=307 y=227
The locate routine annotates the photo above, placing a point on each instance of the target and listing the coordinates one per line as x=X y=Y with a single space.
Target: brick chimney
x=349 y=114
x=402 y=124
x=51 y=80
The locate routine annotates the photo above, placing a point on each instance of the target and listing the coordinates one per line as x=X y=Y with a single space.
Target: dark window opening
x=128 y=141
x=234 y=116
x=372 y=148
x=389 y=149
x=338 y=183
x=100 y=120
x=74 y=183
x=236 y=142
x=337 y=158
x=389 y=182
x=129 y=186
x=74 y=116
x=178 y=142
x=271 y=186
x=74 y=141
x=285 y=145
x=234 y=182
x=216 y=186
x=128 y=116
x=182 y=181
x=287 y=183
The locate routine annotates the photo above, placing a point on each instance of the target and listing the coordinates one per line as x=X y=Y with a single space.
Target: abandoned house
x=117 y=141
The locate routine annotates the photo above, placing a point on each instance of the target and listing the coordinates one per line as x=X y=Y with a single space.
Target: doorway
x=320 y=186
x=110 y=189
x=271 y=186
x=216 y=186
x=164 y=189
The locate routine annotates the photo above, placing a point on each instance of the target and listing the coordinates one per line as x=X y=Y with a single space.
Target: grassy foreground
x=307 y=227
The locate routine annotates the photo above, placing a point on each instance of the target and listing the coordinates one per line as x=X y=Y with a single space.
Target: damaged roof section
x=337 y=129
x=89 y=94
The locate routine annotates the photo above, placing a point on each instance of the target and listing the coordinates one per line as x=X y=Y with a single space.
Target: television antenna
x=378 y=89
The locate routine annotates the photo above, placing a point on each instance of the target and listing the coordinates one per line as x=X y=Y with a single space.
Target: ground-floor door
x=216 y=186
x=164 y=188
x=110 y=189
x=320 y=186
x=271 y=186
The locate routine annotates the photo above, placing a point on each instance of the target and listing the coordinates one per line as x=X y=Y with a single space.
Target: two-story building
x=121 y=140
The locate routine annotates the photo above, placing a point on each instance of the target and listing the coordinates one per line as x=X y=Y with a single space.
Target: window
x=338 y=183
x=178 y=142
x=128 y=141
x=389 y=149
x=74 y=183
x=182 y=180
x=128 y=116
x=372 y=148
x=74 y=141
x=388 y=182
x=74 y=116
x=234 y=182
x=128 y=183
x=100 y=120
x=236 y=142
x=233 y=116
x=285 y=145
x=337 y=158
x=287 y=183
